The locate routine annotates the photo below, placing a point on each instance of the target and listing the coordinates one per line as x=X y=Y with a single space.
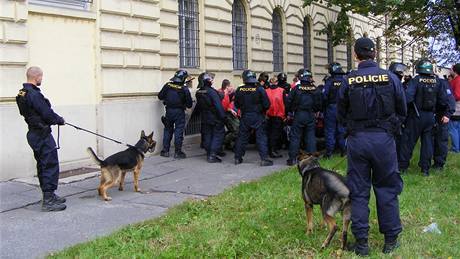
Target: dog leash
x=97 y=134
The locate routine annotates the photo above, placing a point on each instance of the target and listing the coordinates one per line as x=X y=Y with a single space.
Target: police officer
x=212 y=117
x=398 y=69
x=334 y=131
x=39 y=116
x=176 y=97
x=425 y=96
x=302 y=102
x=264 y=80
x=441 y=131
x=371 y=104
x=253 y=102
x=282 y=82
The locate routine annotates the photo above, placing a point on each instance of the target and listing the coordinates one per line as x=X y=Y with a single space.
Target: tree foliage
x=436 y=20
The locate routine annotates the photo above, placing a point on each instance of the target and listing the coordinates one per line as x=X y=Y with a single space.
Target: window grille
x=193 y=125
x=189 y=34
x=306 y=44
x=239 y=36
x=330 y=47
x=75 y=4
x=277 y=29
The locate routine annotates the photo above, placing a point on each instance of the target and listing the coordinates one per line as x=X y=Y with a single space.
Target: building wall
x=104 y=66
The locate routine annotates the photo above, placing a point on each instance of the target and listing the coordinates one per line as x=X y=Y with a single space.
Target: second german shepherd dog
x=114 y=167
x=328 y=189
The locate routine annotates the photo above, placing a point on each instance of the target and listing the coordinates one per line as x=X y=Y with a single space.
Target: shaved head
x=34 y=75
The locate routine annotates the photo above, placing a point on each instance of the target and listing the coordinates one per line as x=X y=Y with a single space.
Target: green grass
x=266 y=219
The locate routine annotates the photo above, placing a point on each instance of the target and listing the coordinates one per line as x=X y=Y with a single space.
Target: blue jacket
x=209 y=104
x=175 y=96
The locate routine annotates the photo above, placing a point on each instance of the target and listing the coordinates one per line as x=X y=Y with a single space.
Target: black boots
x=179 y=154
x=52 y=202
x=291 y=162
x=390 y=246
x=213 y=158
x=164 y=153
x=238 y=161
x=360 y=248
x=275 y=154
x=266 y=162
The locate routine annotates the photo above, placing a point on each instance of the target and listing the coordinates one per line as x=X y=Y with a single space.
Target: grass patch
x=267 y=219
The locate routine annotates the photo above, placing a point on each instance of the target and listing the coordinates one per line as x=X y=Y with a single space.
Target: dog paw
x=108 y=198
x=120 y=188
x=309 y=231
x=138 y=190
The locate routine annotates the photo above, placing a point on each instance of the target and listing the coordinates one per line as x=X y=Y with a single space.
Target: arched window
x=189 y=41
x=277 y=29
x=306 y=44
x=239 y=35
x=330 y=45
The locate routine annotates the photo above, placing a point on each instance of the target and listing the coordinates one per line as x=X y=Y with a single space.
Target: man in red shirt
x=454 y=123
x=232 y=122
x=276 y=115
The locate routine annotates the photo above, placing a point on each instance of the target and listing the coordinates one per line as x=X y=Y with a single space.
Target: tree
x=437 y=21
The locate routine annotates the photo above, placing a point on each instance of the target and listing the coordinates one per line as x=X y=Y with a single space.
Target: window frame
x=278 y=41
x=306 y=36
x=239 y=36
x=189 y=34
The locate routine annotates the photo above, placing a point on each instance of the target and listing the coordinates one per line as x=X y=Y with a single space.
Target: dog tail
x=94 y=156
x=336 y=184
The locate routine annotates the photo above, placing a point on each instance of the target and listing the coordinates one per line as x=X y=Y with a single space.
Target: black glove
x=61 y=121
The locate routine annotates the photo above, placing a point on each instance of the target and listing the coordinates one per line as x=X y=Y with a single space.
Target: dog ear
x=151 y=135
x=142 y=134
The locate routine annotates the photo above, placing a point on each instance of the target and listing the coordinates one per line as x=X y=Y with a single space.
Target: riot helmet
x=335 y=69
x=305 y=76
x=249 y=77
x=282 y=78
x=398 y=69
x=180 y=76
x=424 y=66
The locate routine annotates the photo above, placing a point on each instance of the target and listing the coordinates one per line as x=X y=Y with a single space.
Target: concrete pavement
x=26 y=232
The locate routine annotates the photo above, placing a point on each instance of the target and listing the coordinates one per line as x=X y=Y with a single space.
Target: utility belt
x=372 y=125
x=175 y=107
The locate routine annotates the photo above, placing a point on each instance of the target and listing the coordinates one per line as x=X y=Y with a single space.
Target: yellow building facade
x=104 y=61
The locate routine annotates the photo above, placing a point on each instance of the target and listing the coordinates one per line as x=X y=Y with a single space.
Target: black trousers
x=274 y=132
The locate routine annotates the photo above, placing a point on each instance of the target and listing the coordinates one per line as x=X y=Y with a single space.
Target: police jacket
x=304 y=98
x=331 y=88
x=251 y=98
x=210 y=105
x=175 y=96
x=428 y=93
x=277 y=98
x=36 y=109
x=371 y=99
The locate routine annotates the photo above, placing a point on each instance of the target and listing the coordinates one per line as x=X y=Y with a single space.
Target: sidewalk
x=26 y=232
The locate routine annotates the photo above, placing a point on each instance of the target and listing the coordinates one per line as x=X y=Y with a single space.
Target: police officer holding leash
x=176 y=97
x=39 y=116
x=371 y=104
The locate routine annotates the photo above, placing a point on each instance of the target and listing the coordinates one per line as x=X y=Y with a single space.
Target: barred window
x=277 y=29
x=74 y=4
x=189 y=34
x=306 y=44
x=239 y=35
x=330 y=46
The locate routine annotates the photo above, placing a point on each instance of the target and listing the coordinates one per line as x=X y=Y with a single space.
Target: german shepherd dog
x=328 y=189
x=114 y=167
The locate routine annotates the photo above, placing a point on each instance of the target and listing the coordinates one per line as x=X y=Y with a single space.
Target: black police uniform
x=372 y=105
x=176 y=97
x=252 y=100
x=39 y=116
x=334 y=132
x=212 y=117
x=441 y=132
x=303 y=101
x=426 y=92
